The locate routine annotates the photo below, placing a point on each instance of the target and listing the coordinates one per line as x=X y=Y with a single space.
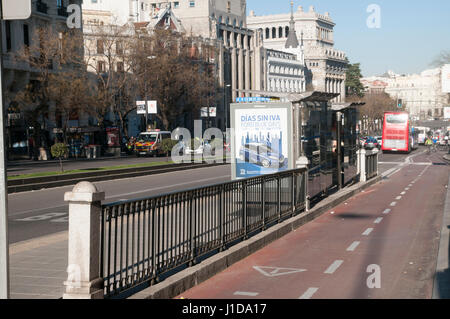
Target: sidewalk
x=38 y=267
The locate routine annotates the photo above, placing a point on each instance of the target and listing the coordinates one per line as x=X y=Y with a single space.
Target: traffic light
x=399 y=103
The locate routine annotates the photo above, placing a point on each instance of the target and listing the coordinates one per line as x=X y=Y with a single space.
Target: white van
x=149 y=143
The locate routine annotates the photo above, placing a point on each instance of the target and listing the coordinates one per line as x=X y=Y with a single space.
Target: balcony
x=42 y=7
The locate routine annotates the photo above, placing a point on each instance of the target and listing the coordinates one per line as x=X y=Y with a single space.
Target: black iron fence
x=146 y=238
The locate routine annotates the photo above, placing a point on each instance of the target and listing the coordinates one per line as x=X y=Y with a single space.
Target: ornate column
x=247 y=62
x=233 y=68
x=240 y=67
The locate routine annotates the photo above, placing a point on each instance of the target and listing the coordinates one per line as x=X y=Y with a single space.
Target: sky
x=410 y=36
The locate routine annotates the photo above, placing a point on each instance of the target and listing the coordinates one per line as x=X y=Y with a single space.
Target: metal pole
x=4 y=240
x=339 y=148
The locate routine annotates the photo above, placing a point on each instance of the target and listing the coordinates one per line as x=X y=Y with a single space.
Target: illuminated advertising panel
x=261 y=139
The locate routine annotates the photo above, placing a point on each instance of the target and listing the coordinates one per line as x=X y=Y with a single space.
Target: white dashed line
x=402 y=193
x=387 y=211
x=367 y=231
x=398 y=198
x=378 y=220
x=309 y=293
x=393 y=204
x=244 y=293
x=333 y=267
x=353 y=246
x=407 y=189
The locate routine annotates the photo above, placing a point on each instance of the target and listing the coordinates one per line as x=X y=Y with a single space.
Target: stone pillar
x=84 y=281
x=362 y=165
x=247 y=63
x=233 y=68
x=343 y=93
x=240 y=69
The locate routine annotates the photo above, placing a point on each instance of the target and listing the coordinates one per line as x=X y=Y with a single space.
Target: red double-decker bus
x=396 y=132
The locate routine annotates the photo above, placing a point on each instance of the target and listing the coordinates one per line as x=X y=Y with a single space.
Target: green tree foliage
x=353 y=84
x=59 y=150
x=167 y=145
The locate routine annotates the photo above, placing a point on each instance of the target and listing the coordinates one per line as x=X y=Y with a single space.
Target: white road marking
x=403 y=193
x=378 y=220
x=386 y=211
x=309 y=293
x=393 y=204
x=367 y=232
x=333 y=267
x=398 y=198
x=353 y=246
x=407 y=189
x=276 y=271
x=245 y=293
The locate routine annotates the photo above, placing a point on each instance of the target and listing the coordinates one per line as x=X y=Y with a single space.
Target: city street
x=382 y=243
x=38 y=213
x=38 y=234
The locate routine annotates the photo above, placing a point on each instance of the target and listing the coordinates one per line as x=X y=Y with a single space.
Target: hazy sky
x=411 y=34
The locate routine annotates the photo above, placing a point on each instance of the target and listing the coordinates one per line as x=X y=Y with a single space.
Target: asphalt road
x=39 y=213
x=380 y=244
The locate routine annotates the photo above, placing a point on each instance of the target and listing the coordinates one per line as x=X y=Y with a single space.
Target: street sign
x=140 y=107
x=16 y=9
x=152 y=107
x=208 y=112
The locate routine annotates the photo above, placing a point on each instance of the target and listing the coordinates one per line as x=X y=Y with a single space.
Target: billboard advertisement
x=446 y=78
x=260 y=142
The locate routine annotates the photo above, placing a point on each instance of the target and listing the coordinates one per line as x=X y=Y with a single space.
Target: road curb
x=190 y=277
x=441 y=282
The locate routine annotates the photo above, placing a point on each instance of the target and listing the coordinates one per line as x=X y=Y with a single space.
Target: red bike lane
x=381 y=243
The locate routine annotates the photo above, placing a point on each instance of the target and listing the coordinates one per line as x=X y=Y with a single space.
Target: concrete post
x=84 y=281
x=362 y=165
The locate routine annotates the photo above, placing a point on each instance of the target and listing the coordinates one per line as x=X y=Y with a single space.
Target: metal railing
x=371 y=164
x=146 y=238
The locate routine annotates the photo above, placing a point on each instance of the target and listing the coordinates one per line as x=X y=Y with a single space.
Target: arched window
x=286 y=32
x=234 y=23
x=274 y=33
x=220 y=19
x=267 y=33
x=280 y=32
x=228 y=21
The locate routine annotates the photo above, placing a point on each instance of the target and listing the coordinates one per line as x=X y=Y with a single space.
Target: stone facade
x=325 y=66
x=420 y=93
x=17 y=75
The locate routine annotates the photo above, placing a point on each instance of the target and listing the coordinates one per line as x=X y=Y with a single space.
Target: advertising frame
x=254 y=110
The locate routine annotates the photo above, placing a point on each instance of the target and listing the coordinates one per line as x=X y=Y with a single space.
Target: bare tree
x=441 y=59
x=49 y=59
x=174 y=70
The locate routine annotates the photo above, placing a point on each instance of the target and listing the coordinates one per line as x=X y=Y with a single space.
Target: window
x=191 y=4
x=120 y=67
x=119 y=48
x=100 y=47
x=229 y=6
x=101 y=67
x=176 y=5
x=26 y=35
x=8 y=35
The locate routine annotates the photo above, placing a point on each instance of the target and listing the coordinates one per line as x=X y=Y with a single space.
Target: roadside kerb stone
x=190 y=277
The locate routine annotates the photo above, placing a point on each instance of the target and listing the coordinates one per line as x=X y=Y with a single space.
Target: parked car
x=380 y=141
x=262 y=155
x=371 y=143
